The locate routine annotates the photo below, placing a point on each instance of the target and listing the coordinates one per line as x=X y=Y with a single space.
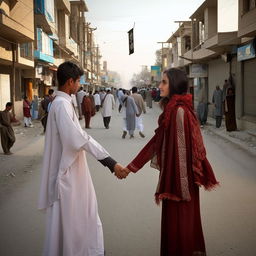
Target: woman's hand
x=120 y=171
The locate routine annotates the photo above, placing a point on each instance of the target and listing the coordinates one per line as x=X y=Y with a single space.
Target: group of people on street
x=176 y=150
x=224 y=104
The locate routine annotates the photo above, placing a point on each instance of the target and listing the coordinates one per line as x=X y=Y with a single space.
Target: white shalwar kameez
x=67 y=192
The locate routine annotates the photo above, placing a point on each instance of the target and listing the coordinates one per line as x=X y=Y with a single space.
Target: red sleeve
x=143 y=157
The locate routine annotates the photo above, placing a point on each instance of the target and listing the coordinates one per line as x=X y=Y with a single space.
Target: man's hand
x=120 y=171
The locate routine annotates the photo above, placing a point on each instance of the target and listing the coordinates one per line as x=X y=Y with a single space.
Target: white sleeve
x=75 y=139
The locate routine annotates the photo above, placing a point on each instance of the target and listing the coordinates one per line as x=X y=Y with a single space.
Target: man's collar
x=64 y=95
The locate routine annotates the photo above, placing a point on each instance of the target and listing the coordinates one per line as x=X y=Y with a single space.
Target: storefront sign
x=198 y=70
x=246 y=52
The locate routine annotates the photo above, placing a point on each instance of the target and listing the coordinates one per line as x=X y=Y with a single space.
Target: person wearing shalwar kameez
x=67 y=192
x=6 y=130
x=178 y=152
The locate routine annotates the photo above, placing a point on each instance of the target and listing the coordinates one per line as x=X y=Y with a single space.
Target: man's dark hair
x=8 y=104
x=51 y=91
x=68 y=70
x=134 y=89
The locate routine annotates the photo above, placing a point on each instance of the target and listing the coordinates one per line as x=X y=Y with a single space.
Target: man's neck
x=66 y=90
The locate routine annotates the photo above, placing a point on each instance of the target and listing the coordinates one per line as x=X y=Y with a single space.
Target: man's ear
x=70 y=81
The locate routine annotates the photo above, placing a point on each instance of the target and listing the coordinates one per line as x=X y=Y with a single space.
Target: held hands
x=120 y=171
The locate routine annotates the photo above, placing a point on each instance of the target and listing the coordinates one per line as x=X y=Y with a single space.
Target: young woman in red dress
x=178 y=152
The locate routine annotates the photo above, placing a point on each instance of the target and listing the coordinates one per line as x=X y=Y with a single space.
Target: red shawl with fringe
x=175 y=161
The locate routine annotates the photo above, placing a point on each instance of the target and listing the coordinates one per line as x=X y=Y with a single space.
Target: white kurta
x=108 y=105
x=97 y=99
x=67 y=192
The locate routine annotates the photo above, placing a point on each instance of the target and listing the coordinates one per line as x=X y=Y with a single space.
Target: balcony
x=247 y=24
x=199 y=54
x=44 y=50
x=14 y=31
x=44 y=15
x=63 y=5
x=221 y=41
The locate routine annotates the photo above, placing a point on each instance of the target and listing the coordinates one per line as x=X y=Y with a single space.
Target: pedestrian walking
x=230 y=111
x=131 y=111
x=88 y=110
x=93 y=102
x=26 y=112
x=141 y=108
x=79 y=97
x=202 y=108
x=67 y=193
x=178 y=152
x=108 y=104
x=97 y=100
x=35 y=107
x=6 y=130
x=44 y=104
x=102 y=94
x=217 y=100
x=149 y=98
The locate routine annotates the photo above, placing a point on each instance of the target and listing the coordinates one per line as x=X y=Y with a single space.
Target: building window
x=26 y=51
x=248 y=5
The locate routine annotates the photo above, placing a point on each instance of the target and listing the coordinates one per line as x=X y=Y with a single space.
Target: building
x=16 y=52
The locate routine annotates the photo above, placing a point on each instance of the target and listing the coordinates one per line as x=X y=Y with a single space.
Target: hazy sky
x=154 y=22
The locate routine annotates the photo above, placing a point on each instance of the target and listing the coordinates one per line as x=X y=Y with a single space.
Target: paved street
x=131 y=220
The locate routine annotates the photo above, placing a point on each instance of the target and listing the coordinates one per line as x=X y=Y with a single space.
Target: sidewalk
x=244 y=139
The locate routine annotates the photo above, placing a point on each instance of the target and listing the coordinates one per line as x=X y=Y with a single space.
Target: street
x=130 y=217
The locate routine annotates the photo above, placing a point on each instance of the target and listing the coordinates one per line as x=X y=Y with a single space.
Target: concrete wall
x=23 y=13
x=210 y=19
x=5 y=50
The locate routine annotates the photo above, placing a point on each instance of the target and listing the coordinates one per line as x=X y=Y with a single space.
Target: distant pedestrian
x=26 y=112
x=141 y=109
x=217 y=100
x=102 y=94
x=88 y=110
x=44 y=104
x=202 y=108
x=108 y=104
x=230 y=111
x=7 y=133
x=79 y=97
x=97 y=100
x=93 y=102
x=225 y=87
x=149 y=98
x=35 y=107
x=131 y=111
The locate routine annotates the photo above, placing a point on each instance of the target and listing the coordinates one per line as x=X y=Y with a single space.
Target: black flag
x=131 y=41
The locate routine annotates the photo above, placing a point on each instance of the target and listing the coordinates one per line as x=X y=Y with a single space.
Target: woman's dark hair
x=68 y=70
x=178 y=84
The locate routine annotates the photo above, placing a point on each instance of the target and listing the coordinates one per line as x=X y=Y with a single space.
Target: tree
x=141 y=79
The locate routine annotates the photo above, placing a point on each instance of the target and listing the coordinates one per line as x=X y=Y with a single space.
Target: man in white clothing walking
x=67 y=192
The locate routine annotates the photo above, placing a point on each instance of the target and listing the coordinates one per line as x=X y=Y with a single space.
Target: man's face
x=74 y=85
x=8 y=108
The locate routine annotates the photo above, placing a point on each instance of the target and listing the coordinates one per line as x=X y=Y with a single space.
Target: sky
x=154 y=22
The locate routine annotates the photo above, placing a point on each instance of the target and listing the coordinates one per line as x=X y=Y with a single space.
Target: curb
x=235 y=141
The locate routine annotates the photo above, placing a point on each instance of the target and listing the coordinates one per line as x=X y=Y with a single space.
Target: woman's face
x=164 y=86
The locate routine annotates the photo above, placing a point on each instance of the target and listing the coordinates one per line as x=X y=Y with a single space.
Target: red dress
x=178 y=152
x=26 y=108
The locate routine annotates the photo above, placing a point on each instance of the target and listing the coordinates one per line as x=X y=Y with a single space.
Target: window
x=248 y=5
